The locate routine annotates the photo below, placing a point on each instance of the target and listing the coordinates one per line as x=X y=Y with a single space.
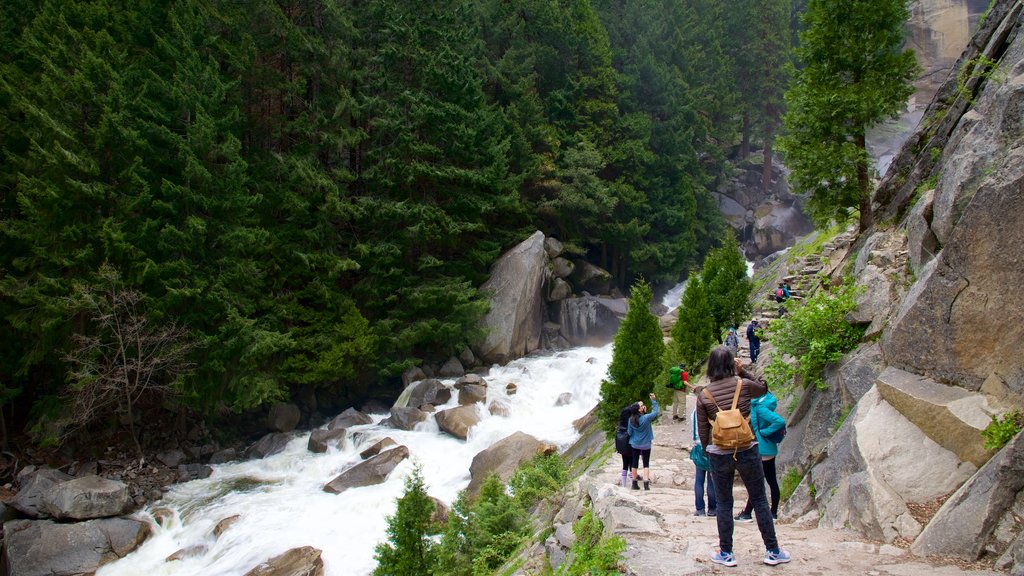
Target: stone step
x=951 y=416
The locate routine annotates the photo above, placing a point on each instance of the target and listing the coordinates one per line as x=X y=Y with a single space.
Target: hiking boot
x=635 y=485
x=699 y=513
x=741 y=517
x=647 y=485
x=712 y=513
x=725 y=558
x=776 y=558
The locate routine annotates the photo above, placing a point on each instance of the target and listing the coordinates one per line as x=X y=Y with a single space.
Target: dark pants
x=772 y=479
x=723 y=469
x=755 y=350
x=627 y=458
x=698 y=491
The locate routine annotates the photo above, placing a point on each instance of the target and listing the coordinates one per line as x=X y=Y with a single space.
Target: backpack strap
x=710 y=397
x=736 y=396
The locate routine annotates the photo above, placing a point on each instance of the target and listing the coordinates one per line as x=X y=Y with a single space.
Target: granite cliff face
x=893 y=447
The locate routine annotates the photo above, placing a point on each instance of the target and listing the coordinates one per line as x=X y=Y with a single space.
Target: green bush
x=591 y=554
x=1002 y=430
x=790 y=481
x=816 y=334
x=538 y=479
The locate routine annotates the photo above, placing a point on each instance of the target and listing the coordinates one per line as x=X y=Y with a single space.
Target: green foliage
x=695 y=330
x=1002 y=430
x=538 y=479
x=409 y=548
x=592 y=554
x=727 y=285
x=854 y=74
x=636 y=358
x=790 y=481
x=481 y=535
x=976 y=68
x=816 y=334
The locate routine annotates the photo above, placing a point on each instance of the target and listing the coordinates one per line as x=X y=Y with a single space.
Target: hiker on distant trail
x=702 y=475
x=732 y=341
x=641 y=437
x=622 y=442
x=678 y=380
x=754 y=340
x=782 y=293
x=726 y=391
x=765 y=422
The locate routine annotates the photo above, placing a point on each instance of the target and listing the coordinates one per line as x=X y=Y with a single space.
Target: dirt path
x=672 y=541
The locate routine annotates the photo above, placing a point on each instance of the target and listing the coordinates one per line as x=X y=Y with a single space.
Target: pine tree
x=695 y=329
x=636 y=359
x=409 y=548
x=728 y=287
x=855 y=74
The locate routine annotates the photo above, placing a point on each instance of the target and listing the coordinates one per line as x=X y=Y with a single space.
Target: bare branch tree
x=122 y=357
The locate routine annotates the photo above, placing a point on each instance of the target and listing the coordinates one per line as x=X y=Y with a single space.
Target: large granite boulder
x=591 y=278
x=921 y=241
x=516 y=316
x=963 y=527
x=947 y=328
x=458 y=421
x=404 y=418
x=430 y=391
x=283 y=417
x=369 y=472
x=86 y=498
x=452 y=368
x=470 y=394
x=777 y=225
x=45 y=548
x=377 y=448
x=273 y=443
x=321 y=439
x=32 y=487
x=304 y=561
x=348 y=418
x=503 y=457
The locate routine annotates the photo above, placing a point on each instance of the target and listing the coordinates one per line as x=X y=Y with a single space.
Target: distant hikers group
x=735 y=428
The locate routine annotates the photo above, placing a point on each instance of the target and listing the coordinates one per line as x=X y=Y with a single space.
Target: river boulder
x=429 y=391
x=273 y=443
x=369 y=472
x=458 y=421
x=404 y=418
x=377 y=448
x=45 y=548
x=32 y=487
x=348 y=418
x=470 y=394
x=503 y=457
x=589 y=320
x=516 y=317
x=283 y=417
x=304 y=561
x=321 y=439
x=86 y=498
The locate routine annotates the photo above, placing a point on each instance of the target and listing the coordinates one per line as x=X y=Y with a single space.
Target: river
x=280 y=499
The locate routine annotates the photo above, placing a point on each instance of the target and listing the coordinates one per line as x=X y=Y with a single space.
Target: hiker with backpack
x=732 y=341
x=622 y=442
x=769 y=428
x=754 y=340
x=723 y=424
x=678 y=380
x=641 y=437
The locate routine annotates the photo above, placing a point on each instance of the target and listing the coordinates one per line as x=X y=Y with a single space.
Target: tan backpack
x=730 y=430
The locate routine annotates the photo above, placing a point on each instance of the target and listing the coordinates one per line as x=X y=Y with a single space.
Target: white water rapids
x=282 y=504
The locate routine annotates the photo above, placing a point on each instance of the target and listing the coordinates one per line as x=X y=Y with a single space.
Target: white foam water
x=282 y=505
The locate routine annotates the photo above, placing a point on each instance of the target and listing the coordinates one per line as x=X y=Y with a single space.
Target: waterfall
x=280 y=499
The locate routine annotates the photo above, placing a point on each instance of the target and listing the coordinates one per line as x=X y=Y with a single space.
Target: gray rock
x=304 y=561
x=224 y=524
x=283 y=417
x=553 y=247
x=377 y=448
x=590 y=320
x=86 y=498
x=470 y=379
x=192 y=551
x=404 y=418
x=511 y=389
x=44 y=548
x=471 y=394
x=559 y=290
x=516 y=317
x=458 y=421
x=189 y=472
x=563 y=399
x=467 y=358
x=34 y=484
x=171 y=458
x=369 y=472
x=591 y=278
x=562 y=268
x=271 y=444
x=503 y=457
x=452 y=368
x=499 y=408
x=430 y=391
x=922 y=243
x=349 y=418
x=411 y=375
x=225 y=455
x=320 y=439
x=965 y=522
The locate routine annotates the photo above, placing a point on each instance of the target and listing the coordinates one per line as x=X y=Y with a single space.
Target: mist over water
x=280 y=499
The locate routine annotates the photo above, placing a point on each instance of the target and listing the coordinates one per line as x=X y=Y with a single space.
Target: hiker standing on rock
x=754 y=340
x=727 y=391
x=622 y=442
x=678 y=380
x=641 y=437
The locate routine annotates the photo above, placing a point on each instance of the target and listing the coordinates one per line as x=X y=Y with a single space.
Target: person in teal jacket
x=641 y=436
x=764 y=421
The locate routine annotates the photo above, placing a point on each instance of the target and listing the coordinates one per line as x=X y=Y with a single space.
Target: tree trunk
x=864 y=185
x=766 y=165
x=745 y=137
